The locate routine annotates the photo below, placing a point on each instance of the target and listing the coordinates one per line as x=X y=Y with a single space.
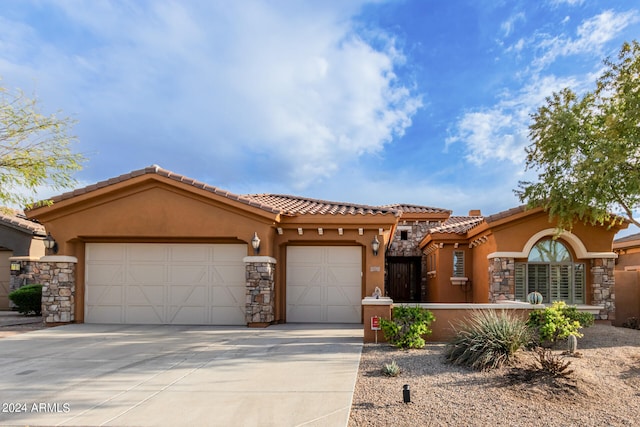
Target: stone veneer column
x=502 y=279
x=260 y=285
x=57 y=274
x=602 y=286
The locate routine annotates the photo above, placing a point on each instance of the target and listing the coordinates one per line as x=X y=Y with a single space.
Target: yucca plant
x=487 y=340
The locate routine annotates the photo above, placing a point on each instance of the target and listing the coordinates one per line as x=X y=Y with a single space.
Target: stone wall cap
x=377 y=301
x=257 y=259
x=58 y=258
x=24 y=258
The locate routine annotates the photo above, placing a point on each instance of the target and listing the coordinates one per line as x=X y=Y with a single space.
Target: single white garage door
x=182 y=284
x=324 y=284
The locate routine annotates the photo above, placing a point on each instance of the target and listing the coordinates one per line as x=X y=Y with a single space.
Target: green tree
x=586 y=149
x=35 y=149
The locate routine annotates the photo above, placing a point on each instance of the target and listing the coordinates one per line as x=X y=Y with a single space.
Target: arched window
x=551 y=271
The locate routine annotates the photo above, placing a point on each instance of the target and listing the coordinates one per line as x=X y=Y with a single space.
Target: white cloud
x=568 y=2
x=295 y=86
x=501 y=131
x=508 y=26
x=591 y=36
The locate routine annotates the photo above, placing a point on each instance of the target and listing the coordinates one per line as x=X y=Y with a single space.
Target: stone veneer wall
x=602 y=286
x=502 y=279
x=260 y=304
x=410 y=247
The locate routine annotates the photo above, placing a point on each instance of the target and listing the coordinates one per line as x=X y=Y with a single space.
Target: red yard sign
x=375 y=323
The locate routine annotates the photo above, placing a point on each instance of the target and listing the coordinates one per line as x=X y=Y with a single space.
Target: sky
x=375 y=102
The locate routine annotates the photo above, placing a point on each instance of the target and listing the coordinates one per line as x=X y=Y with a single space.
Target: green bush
x=558 y=322
x=487 y=339
x=407 y=326
x=28 y=299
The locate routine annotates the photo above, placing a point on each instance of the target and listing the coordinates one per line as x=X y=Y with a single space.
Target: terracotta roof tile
x=293 y=205
x=629 y=238
x=16 y=219
x=507 y=213
x=402 y=207
x=458 y=224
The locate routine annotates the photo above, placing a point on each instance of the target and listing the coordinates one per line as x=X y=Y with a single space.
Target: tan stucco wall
x=513 y=236
x=627 y=296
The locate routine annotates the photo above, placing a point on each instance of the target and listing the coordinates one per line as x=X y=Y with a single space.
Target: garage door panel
x=190 y=254
x=144 y=314
x=344 y=255
x=165 y=283
x=228 y=254
x=145 y=274
x=324 y=284
x=223 y=297
x=227 y=274
x=107 y=314
x=187 y=275
x=105 y=253
x=146 y=253
x=310 y=314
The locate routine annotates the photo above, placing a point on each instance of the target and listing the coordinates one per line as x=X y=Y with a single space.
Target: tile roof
x=458 y=224
x=16 y=219
x=415 y=208
x=507 y=213
x=155 y=169
x=629 y=238
x=293 y=205
x=274 y=203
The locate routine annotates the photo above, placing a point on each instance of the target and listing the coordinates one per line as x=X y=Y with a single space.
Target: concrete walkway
x=284 y=375
x=13 y=318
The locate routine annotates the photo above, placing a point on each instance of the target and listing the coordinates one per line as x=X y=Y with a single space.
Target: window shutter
x=520 y=281
x=538 y=279
x=578 y=278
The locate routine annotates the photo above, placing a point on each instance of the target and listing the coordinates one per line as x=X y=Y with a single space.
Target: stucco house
x=153 y=246
x=20 y=239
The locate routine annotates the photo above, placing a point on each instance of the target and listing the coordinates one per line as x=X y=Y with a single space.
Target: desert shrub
x=487 y=339
x=558 y=322
x=391 y=369
x=551 y=364
x=407 y=326
x=28 y=299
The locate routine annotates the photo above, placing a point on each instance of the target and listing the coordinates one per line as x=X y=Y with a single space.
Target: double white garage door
x=182 y=284
x=204 y=284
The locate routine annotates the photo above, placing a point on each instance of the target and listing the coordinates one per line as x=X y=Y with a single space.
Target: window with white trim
x=551 y=271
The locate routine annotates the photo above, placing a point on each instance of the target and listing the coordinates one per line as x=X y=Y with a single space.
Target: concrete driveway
x=284 y=375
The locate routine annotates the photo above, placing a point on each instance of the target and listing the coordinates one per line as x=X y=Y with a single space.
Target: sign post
x=375 y=325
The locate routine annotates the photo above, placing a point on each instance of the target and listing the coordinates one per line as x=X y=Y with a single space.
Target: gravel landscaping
x=604 y=388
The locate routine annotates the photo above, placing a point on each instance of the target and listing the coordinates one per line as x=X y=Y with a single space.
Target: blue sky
x=423 y=102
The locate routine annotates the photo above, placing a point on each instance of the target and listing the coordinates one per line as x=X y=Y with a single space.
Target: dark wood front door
x=403 y=279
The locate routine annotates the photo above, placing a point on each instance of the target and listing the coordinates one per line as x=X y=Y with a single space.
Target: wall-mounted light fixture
x=255 y=243
x=375 y=245
x=16 y=266
x=50 y=243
